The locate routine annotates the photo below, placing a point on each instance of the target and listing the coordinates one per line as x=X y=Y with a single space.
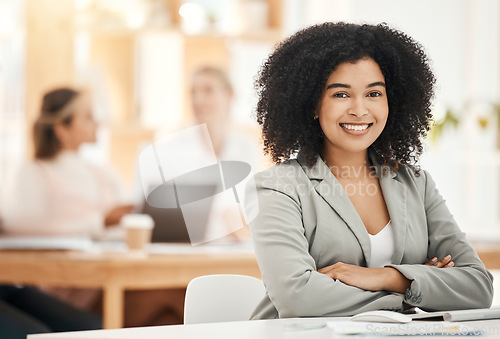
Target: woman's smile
x=356 y=129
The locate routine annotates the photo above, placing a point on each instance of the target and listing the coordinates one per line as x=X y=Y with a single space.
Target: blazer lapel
x=394 y=192
x=334 y=194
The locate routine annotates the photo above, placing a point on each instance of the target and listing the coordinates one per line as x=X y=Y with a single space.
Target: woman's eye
x=374 y=94
x=340 y=95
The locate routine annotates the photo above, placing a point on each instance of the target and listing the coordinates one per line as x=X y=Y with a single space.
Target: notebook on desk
x=409 y=329
x=461 y=315
x=426 y=323
x=44 y=243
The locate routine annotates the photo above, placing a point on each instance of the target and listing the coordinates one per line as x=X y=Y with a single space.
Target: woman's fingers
x=443 y=263
x=326 y=269
x=432 y=261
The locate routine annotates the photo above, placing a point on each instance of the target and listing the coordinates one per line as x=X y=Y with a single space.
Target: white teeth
x=355 y=127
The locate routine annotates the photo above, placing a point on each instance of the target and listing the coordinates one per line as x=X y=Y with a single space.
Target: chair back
x=222 y=298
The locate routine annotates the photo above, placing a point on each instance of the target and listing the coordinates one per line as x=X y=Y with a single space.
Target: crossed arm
x=467 y=286
x=298 y=287
x=378 y=278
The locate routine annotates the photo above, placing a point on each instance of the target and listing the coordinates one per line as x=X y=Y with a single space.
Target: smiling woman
x=352 y=114
x=353 y=105
x=347 y=221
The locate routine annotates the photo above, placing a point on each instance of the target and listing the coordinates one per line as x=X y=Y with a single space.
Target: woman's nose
x=358 y=108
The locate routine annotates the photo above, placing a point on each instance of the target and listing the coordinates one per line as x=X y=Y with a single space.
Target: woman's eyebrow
x=378 y=83
x=339 y=85
x=336 y=85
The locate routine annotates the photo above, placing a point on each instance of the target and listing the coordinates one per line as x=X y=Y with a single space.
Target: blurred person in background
x=212 y=96
x=211 y=99
x=26 y=310
x=58 y=193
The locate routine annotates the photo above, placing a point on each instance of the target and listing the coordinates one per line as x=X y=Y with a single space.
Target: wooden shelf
x=272 y=35
x=172 y=7
x=52 y=27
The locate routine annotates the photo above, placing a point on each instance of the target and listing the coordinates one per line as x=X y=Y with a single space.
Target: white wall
x=12 y=141
x=461 y=36
x=246 y=59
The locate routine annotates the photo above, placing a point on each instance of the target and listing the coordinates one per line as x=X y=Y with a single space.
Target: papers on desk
x=438 y=323
x=413 y=328
x=172 y=248
x=45 y=243
x=462 y=315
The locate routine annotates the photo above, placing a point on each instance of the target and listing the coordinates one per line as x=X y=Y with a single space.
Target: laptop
x=164 y=206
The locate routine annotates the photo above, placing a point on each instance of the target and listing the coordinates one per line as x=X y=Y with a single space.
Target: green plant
x=453 y=119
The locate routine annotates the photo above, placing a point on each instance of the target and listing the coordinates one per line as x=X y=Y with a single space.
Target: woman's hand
x=362 y=277
x=443 y=263
x=370 y=279
x=379 y=278
x=115 y=214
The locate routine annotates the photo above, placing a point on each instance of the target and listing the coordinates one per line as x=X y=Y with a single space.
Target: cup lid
x=137 y=221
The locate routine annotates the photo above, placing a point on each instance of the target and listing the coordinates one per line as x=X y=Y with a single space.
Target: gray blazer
x=306 y=221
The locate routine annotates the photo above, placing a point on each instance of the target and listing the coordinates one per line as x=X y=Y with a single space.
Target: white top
x=382 y=247
x=66 y=196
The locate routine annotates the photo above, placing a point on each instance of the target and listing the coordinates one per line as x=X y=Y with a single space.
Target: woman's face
x=82 y=127
x=353 y=109
x=211 y=99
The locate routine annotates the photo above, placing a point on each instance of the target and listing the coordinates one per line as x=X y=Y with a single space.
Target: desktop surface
x=296 y=328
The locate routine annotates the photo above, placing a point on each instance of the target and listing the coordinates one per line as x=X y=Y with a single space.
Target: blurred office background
x=137 y=56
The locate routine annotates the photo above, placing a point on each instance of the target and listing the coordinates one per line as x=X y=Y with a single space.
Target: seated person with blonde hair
x=59 y=193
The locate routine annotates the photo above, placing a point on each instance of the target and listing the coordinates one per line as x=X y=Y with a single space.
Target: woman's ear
x=61 y=132
x=317 y=110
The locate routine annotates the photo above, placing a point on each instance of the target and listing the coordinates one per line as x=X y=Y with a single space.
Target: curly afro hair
x=291 y=82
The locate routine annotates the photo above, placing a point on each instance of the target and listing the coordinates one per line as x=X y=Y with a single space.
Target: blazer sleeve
x=293 y=284
x=465 y=286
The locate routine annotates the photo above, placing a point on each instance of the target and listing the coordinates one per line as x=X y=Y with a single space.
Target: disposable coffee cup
x=139 y=228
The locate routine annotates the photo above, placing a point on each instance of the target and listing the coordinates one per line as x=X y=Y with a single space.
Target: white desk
x=261 y=329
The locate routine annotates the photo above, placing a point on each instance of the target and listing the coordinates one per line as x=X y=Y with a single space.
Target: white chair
x=221 y=298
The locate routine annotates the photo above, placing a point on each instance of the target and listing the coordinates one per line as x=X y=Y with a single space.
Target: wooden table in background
x=489 y=252
x=116 y=272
